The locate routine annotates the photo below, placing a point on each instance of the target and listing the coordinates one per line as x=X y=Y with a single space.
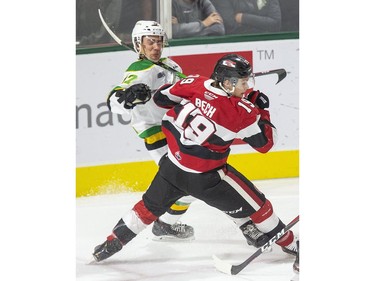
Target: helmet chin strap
x=229 y=92
x=140 y=51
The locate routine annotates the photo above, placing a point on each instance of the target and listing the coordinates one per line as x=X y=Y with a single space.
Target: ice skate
x=253 y=235
x=111 y=246
x=177 y=231
x=292 y=248
x=296 y=262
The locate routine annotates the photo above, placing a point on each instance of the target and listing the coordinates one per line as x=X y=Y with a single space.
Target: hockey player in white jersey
x=128 y=98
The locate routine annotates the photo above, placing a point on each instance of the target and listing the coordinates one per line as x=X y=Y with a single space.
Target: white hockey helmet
x=144 y=28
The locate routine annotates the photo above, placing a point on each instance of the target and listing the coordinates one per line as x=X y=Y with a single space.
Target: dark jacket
x=190 y=17
x=259 y=16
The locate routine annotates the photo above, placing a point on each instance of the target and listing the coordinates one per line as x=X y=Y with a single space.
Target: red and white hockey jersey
x=204 y=121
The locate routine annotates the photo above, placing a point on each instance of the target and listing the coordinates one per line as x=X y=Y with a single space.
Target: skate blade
x=172 y=239
x=92 y=261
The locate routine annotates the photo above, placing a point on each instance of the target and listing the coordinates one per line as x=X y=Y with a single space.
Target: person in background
x=191 y=18
x=290 y=15
x=249 y=16
x=205 y=116
x=120 y=15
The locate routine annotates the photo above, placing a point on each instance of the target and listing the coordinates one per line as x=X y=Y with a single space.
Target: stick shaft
x=237 y=268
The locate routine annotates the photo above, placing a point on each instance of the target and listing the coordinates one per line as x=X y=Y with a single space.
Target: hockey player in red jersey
x=205 y=117
x=133 y=98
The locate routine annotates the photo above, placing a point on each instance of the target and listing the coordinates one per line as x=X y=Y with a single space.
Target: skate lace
x=179 y=227
x=252 y=231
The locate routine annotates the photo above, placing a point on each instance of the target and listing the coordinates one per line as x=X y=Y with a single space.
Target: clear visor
x=158 y=40
x=244 y=84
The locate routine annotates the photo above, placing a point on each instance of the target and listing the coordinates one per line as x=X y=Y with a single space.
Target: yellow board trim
x=137 y=176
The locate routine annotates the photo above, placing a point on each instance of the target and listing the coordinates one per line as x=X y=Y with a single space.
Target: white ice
x=144 y=259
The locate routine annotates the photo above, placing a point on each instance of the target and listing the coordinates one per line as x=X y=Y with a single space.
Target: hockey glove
x=259 y=99
x=135 y=94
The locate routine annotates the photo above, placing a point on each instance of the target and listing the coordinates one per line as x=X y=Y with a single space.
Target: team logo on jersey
x=209 y=96
x=161 y=74
x=229 y=63
x=233 y=211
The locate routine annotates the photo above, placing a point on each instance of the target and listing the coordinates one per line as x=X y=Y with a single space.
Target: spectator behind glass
x=290 y=15
x=120 y=15
x=249 y=16
x=192 y=18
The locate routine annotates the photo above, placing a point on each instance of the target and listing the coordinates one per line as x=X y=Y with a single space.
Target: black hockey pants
x=225 y=189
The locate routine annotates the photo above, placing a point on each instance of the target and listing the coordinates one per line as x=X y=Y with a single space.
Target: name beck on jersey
x=206 y=108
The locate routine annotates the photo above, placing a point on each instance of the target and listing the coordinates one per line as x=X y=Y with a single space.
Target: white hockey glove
x=128 y=98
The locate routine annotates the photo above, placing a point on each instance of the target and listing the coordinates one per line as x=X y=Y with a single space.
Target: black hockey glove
x=135 y=94
x=259 y=99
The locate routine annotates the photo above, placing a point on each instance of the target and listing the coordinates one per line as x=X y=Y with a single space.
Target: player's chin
x=155 y=57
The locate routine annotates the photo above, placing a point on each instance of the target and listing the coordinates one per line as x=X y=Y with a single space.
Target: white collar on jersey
x=215 y=90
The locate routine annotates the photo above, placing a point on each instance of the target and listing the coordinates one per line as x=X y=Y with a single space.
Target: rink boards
x=111 y=158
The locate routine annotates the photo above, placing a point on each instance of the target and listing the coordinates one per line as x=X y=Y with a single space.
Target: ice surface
x=144 y=259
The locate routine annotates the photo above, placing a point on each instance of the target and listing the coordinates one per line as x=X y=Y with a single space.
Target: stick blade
x=222 y=265
x=281 y=75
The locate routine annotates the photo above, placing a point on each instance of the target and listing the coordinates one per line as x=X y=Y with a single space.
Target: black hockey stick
x=235 y=269
x=281 y=73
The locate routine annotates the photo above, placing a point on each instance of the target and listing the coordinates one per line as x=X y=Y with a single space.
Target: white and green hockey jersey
x=146 y=118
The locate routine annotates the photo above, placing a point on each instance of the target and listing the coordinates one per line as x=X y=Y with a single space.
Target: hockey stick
x=281 y=73
x=235 y=269
x=122 y=43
